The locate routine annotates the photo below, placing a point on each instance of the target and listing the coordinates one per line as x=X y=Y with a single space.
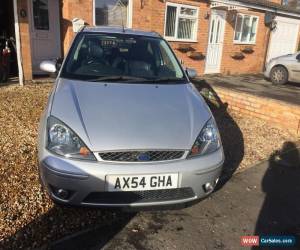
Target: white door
x=215 y=41
x=45 y=31
x=283 y=39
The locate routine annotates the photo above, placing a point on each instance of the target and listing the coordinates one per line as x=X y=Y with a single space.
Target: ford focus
x=124 y=126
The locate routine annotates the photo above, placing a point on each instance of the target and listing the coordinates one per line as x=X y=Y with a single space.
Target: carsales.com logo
x=279 y=241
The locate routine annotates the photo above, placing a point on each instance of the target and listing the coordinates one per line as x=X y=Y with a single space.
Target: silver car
x=125 y=127
x=283 y=69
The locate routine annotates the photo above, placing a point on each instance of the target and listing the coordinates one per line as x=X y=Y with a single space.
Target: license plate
x=116 y=183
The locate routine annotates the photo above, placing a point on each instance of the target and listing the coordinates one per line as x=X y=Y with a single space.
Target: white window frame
x=178 y=15
x=129 y=14
x=248 y=38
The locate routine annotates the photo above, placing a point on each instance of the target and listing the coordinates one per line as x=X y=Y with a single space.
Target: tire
x=279 y=75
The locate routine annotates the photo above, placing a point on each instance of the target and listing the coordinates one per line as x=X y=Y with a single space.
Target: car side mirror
x=48 y=66
x=298 y=57
x=191 y=73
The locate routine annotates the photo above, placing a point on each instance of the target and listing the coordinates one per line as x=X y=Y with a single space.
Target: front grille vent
x=141 y=156
x=127 y=197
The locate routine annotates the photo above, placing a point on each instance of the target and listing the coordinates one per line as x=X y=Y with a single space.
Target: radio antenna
x=122 y=5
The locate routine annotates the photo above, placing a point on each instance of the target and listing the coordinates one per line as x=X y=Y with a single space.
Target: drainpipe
x=267 y=48
x=18 y=43
x=268 y=43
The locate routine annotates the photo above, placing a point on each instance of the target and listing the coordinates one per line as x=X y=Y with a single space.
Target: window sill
x=180 y=40
x=244 y=43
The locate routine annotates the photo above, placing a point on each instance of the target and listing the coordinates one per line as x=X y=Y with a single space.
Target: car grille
x=127 y=197
x=141 y=156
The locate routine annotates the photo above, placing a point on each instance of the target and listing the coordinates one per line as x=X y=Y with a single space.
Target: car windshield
x=121 y=58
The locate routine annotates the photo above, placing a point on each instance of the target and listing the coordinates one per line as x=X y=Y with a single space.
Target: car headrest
x=96 y=51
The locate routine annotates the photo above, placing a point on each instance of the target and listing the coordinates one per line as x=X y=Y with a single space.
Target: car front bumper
x=86 y=186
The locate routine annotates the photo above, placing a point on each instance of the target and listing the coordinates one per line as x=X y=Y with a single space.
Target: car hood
x=285 y=57
x=120 y=116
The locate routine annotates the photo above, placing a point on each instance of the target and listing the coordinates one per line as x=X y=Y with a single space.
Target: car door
x=294 y=68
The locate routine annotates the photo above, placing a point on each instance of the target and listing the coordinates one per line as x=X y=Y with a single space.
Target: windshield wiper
x=135 y=79
x=169 y=79
x=164 y=80
x=117 y=79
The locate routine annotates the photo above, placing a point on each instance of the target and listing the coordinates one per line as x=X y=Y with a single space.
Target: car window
x=104 y=55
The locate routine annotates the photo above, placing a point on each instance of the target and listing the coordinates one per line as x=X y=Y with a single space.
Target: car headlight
x=63 y=141
x=208 y=140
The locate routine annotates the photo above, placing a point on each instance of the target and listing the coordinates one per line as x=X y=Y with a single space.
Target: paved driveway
x=263 y=200
x=257 y=85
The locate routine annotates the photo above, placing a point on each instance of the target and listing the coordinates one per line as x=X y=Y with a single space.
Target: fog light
x=208 y=187
x=62 y=193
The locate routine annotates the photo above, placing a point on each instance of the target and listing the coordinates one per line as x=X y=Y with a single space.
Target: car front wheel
x=279 y=75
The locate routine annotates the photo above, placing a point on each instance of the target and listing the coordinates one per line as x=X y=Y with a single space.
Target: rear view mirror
x=48 y=66
x=191 y=73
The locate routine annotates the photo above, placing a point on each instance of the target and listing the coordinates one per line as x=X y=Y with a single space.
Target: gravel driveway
x=29 y=219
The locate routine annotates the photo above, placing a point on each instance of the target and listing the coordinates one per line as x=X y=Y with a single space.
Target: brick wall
x=253 y=62
x=276 y=1
x=149 y=15
x=152 y=17
x=70 y=9
x=272 y=111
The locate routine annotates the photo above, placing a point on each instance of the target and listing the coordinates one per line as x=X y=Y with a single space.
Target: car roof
x=119 y=30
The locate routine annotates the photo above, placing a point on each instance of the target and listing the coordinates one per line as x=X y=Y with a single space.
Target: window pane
x=41 y=14
x=111 y=12
x=238 y=28
x=188 y=11
x=186 y=28
x=171 y=20
x=253 y=29
x=246 y=29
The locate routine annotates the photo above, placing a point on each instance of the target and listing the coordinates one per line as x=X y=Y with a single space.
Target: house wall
x=147 y=15
x=70 y=9
x=151 y=17
x=252 y=63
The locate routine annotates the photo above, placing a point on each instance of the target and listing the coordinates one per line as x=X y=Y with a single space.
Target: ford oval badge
x=143 y=157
